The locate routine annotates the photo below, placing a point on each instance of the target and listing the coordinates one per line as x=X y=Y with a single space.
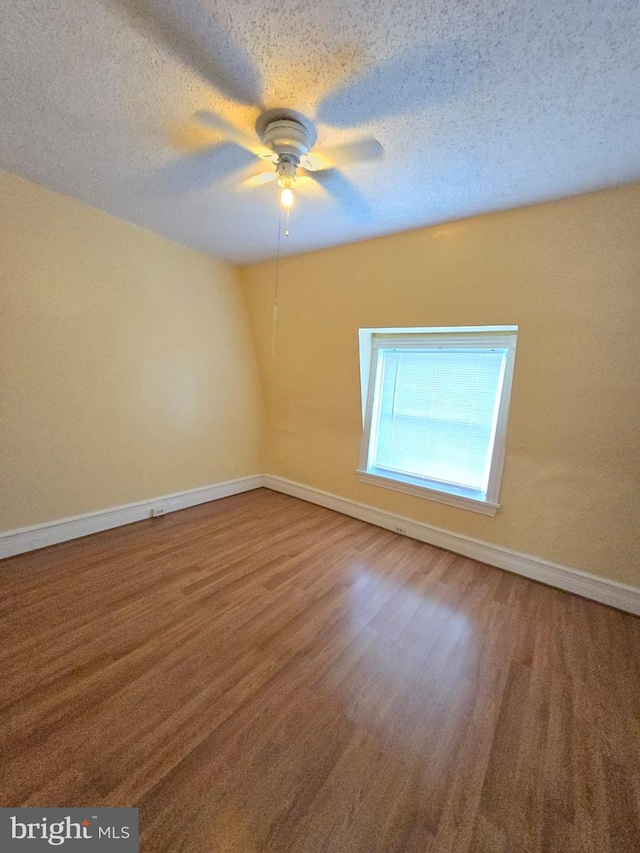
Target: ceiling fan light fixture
x=286 y=170
x=287 y=165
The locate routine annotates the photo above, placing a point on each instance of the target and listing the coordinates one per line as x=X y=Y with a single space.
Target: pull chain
x=275 y=291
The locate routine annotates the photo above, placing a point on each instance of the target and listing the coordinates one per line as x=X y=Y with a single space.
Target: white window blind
x=437 y=413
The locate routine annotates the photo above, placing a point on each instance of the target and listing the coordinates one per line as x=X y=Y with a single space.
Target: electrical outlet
x=157 y=511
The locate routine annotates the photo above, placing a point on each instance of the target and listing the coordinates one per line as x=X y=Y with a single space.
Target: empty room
x=320 y=426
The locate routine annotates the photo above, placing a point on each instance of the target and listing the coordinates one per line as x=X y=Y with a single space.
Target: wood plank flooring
x=261 y=674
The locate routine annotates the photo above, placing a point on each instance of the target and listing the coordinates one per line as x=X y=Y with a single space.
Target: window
x=436 y=412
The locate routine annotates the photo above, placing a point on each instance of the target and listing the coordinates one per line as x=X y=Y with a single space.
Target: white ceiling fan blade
x=260 y=179
x=364 y=150
x=347 y=194
x=263 y=178
x=233 y=134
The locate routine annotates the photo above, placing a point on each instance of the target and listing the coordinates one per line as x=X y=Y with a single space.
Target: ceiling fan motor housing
x=286 y=132
x=286 y=136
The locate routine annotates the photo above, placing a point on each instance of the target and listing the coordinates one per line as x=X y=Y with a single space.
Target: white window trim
x=371 y=339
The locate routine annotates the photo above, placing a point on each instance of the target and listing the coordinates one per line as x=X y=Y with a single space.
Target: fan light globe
x=286 y=197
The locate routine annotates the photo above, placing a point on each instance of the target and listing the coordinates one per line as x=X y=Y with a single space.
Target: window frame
x=472 y=337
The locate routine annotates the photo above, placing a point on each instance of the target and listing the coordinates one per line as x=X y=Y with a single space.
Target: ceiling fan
x=285 y=139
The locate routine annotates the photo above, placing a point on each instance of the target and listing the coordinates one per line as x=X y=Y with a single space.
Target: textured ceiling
x=479 y=106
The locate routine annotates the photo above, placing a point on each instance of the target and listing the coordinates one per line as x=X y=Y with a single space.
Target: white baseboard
x=609 y=592
x=51 y=533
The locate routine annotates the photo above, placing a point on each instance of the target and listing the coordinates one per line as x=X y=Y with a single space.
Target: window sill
x=483 y=507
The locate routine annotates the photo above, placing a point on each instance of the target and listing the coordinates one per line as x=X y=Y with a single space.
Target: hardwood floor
x=261 y=674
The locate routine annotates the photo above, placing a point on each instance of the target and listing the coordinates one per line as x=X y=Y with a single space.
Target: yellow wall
x=127 y=368
x=126 y=363
x=568 y=273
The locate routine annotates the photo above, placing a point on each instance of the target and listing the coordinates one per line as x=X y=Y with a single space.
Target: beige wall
x=568 y=273
x=126 y=363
